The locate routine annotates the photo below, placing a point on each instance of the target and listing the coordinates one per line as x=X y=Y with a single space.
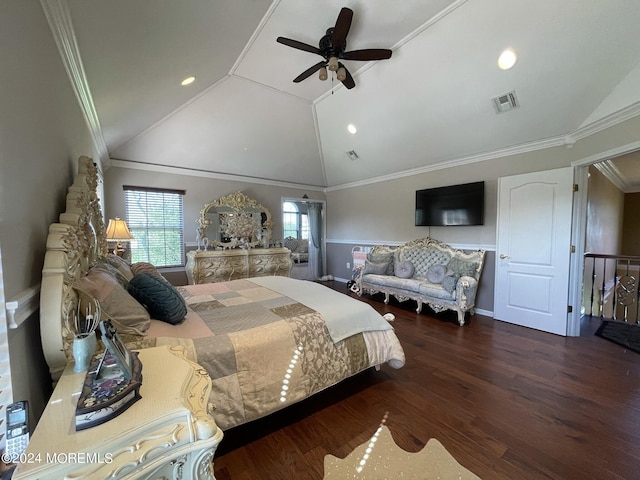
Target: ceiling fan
x=332 y=48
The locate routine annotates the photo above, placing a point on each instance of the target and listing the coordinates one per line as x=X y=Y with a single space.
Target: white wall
x=42 y=133
x=605 y=213
x=199 y=191
x=383 y=212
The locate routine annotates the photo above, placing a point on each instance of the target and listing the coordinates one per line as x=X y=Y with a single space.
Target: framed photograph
x=114 y=345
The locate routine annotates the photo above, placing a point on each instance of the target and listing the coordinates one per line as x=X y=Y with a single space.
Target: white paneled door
x=533 y=249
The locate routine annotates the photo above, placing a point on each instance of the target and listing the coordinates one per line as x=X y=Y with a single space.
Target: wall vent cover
x=505 y=102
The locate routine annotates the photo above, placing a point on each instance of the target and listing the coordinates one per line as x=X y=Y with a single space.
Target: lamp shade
x=118 y=230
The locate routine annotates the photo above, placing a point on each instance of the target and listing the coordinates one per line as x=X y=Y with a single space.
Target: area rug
x=380 y=458
x=623 y=334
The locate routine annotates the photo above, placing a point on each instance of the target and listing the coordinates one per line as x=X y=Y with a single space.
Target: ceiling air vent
x=505 y=102
x=352 y=155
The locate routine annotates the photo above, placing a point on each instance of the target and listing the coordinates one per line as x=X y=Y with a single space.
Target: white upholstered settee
x=299 y=249
x=425 y=270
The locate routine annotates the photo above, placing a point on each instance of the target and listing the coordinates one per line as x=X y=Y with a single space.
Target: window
x=304 y=226
x=295 y=223
x=290 y=220
x=155 y=219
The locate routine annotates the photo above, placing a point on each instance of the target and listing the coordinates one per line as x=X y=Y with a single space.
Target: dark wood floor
x=507 y=402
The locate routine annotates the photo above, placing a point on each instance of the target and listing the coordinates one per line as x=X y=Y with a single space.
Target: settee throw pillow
x=404 y=269
x=463 y=267
x=382 y=254
x=375 y=268
x=436 y=273
x=159 y=297
x=449 y=282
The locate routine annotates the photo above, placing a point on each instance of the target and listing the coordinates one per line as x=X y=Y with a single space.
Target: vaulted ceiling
x=430 y=104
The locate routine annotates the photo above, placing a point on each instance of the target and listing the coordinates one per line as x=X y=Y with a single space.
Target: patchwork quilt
x=265 y=351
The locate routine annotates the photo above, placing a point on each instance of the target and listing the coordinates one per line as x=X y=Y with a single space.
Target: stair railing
x=610 y=287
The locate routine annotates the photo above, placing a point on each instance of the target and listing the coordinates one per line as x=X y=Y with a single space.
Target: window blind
x=155 y=219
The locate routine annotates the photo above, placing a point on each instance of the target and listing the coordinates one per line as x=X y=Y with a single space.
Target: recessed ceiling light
x=188 y=81
x=352 y=128
x=507 y=59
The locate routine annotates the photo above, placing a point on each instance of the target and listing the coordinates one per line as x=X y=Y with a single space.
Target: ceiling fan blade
x=343 y=24
x=367 y=54
x=309 y=71
x=299 y=45
x=348 y=82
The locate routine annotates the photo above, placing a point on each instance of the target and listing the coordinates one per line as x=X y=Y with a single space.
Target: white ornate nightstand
x=168 y=434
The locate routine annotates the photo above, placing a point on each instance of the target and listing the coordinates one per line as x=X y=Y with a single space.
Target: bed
x=265 y=342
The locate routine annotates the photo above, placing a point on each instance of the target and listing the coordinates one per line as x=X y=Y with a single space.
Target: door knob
x=503 y=256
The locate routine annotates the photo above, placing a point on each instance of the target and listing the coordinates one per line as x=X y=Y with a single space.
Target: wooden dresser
x=210 y=266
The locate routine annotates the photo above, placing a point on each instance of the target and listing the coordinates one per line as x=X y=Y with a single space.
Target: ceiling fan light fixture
x=332 y=47
x=352 y=129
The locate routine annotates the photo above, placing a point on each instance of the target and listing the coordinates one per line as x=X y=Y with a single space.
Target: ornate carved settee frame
x=466 y=287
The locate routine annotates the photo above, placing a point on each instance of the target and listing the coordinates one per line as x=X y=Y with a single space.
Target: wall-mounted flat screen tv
x=451 y=205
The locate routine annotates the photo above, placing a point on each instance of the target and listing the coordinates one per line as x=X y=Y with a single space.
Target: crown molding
x=194 y=172
x=568 y=141
x=59 y=19
x=609 y=170
x=611 y=120
x=482 y=157
x=611 y=173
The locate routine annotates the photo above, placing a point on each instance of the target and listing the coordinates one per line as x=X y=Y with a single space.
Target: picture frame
x=116 y=348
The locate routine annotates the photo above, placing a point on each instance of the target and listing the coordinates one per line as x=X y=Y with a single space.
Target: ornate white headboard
x=73 y=245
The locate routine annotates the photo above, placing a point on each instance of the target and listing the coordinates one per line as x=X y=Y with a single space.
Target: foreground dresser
x=167 y=434
x=210 y=266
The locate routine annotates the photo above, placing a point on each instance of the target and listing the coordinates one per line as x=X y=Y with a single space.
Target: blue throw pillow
x=404 y=269
x=159 y=297
x=436 y=273
x=450 y=282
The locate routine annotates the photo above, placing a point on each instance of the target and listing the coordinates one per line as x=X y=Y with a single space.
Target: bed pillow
x=159 y=297
x=145 y=267
x=119 y=276
x=436 y=273
x=121 y=264
x=404 y=269
x=128 y=316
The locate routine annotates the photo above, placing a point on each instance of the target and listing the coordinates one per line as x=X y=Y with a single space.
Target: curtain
x=316 y=268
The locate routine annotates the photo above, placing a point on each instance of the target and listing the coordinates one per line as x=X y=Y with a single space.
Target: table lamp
x=117 y=231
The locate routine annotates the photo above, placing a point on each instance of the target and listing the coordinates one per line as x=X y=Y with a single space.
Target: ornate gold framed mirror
x=234 y=221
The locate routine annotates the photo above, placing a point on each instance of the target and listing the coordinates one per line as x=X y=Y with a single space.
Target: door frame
x=324 y=223
x=579 y=227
